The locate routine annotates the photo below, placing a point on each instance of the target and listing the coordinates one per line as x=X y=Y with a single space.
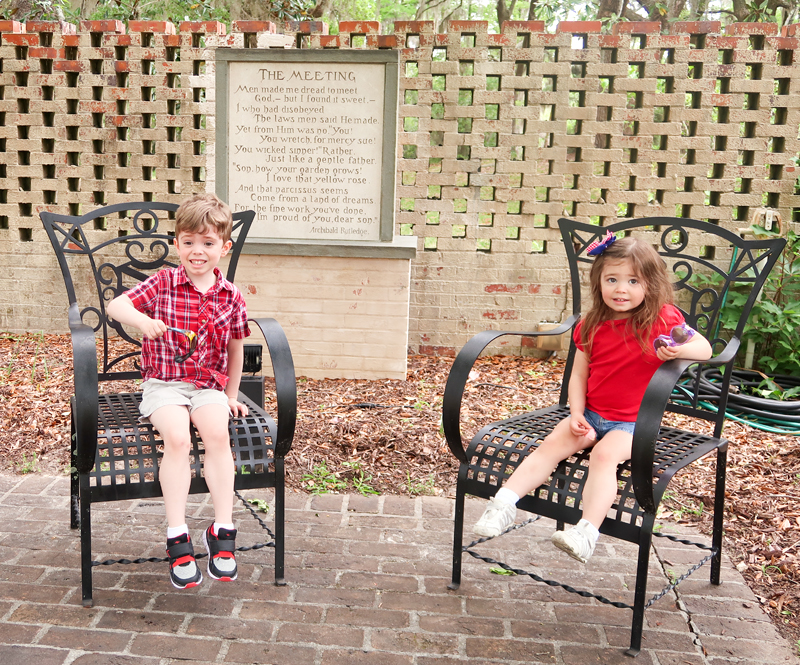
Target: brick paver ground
x=367 y=583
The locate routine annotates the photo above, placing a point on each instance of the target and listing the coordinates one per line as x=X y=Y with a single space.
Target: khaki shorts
x=158 y=393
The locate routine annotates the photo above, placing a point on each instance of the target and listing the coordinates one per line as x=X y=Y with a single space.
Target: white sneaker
x=578 y=542
x=497 y=517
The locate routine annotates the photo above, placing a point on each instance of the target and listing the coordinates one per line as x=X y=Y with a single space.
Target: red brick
x=182 y=647
x=752 y=29
x=22 y=39
x=255 y=26
x=637 y=28
x=271 y=653
x=360 y=27
x=85 y=640
x=427 y=350
x=579 y=27
x=329 y=41
x=209 y=27
x=15 y=655
x=523 y=26
x=468 y=26
x=160 y=27
x=68 y=66
x=538 y=652
x=340 y=636
x=414 y=27
x=11 y=26
x=387 y=41
x=695 y=27
x=307 y=27
x=103 y=26
x=502 y=315
x=51 y=26
x=502 y=288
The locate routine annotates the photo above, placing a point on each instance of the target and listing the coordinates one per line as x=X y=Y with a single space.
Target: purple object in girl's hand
x=677 y=336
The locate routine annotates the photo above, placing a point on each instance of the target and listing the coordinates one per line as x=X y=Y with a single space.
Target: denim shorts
x=602 y=426
x=157 y=393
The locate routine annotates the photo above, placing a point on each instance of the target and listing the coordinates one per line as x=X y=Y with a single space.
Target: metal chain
x=588 y=594
x=202 y=555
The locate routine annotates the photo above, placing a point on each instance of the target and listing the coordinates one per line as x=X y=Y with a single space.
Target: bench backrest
x=98 y=265
x=707 y=263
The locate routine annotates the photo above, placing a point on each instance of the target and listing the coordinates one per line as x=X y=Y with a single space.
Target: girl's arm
x=697 y=348
x=577 y=396
x=121 y=309
x=235 y=363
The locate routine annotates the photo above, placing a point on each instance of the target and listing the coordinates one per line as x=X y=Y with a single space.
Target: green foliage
x=322 y=481
x=361 y=481
x=28 y=465
x=421 y=487
x=262 y=505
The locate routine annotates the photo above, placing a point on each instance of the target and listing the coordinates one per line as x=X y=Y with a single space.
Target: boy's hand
x=237 y=408
x=152 y=328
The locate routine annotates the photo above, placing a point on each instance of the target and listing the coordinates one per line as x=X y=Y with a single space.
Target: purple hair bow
x=600 y=246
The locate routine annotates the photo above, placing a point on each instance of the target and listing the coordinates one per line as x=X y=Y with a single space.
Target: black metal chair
x=114 y=457
x=659 y=451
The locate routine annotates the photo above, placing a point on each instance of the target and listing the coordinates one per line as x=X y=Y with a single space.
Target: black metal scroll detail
x=202 y=555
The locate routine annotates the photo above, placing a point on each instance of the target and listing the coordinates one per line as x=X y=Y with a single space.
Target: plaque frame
x=387 y=57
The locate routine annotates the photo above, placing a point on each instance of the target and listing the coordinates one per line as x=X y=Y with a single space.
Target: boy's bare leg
x=601 y=485
x=211 y=422
x=172 y=422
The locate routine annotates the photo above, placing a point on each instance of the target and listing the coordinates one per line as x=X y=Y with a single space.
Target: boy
x=201 y=389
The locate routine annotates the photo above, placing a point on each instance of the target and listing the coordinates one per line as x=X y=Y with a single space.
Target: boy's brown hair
x=201 y=212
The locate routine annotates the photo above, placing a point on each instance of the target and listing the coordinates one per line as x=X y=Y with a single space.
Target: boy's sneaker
x=221 y=550
x=497 y=517
x=578 y=541
x=183 y=570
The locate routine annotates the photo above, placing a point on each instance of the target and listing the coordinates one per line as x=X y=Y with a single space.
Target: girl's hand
x=579 y=427
x=666 y=353
x=237 y=408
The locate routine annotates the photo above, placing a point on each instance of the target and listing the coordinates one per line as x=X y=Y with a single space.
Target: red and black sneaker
x=183 y=570
x=221 y=548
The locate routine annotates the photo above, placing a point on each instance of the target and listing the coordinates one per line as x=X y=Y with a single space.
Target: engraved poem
x=305 y=145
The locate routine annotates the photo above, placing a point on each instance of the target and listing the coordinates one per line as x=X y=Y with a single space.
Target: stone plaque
x=305 y=147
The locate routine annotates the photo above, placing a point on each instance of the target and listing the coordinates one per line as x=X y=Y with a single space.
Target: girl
x=614 y=362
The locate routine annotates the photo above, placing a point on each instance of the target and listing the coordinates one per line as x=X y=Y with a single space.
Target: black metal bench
x=658 y=451
x=114 y=457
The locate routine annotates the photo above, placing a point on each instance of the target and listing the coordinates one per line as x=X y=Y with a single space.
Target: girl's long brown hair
x=649 y=268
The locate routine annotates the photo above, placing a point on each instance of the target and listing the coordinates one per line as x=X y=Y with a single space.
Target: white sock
x=219 y=525
x=175 y=531
x=507 y=496
x=589 y=529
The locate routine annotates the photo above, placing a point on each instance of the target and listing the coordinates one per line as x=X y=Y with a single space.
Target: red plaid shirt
x=216 y=316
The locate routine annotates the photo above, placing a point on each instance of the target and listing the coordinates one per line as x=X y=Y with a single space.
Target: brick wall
x=500 y=135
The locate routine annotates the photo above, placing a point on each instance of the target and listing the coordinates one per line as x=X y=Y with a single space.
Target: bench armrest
x=459 y=374
x=84 y=415
x=285 y=385
x=648 y=422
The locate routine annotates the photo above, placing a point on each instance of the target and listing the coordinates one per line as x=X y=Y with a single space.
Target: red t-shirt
x=618 y=369
x=216 y=316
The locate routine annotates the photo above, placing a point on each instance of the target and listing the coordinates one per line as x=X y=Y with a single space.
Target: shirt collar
x=179 y=277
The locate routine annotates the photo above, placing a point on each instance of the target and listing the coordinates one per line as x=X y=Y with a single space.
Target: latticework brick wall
x=500 y=135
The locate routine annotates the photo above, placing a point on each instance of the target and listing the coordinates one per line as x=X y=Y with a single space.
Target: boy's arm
x=121 y=309
x=235 y=363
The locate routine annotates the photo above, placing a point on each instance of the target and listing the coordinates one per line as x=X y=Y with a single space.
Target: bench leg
x=458 y=536
x=719 y=510
x=637 y=624
x=86 y=542
x=74 y=482
x=280 y=512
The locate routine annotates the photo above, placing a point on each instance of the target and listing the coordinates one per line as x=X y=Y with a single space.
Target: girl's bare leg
x=174 y=474
x=536 y=468
x=219 y=470
x=601 y=485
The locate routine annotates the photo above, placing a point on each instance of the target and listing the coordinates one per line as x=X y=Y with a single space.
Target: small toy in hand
x=600 y=246
x=677 y=336
x=191 y=335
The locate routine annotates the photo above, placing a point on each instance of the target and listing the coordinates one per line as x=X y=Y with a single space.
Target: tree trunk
x=504 y=12
x=607 y=9
x=323 y=9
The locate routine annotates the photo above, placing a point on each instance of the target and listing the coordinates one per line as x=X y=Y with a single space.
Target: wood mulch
x=384 y=436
